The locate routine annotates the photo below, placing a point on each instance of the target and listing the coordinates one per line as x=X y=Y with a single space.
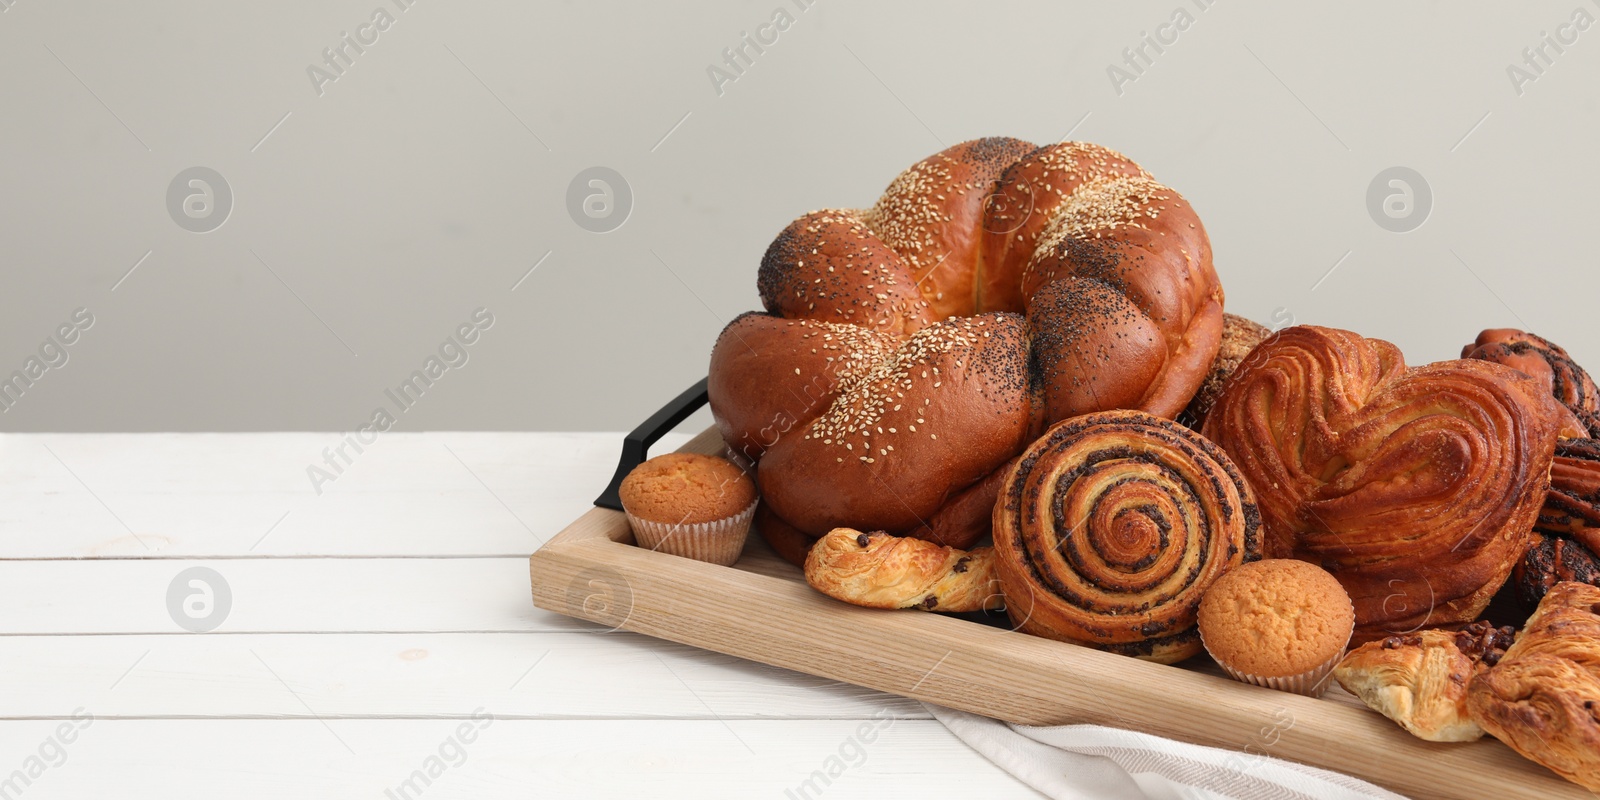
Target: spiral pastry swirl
x=1417 y=487
x=1546 y=361
x=1111 y=527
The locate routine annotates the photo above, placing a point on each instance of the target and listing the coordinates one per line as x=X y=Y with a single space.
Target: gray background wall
x=370 y=220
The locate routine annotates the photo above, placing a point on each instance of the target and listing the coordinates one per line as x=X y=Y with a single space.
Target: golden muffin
x=690 y=505
x=1279 y=623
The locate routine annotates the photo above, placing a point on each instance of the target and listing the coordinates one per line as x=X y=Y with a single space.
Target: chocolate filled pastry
x=1111 y=527
x=1567 y=534
x=1543 y=698
x=1417 y=487
x=877 y=570
x=1546 y=361
x=1572 y=507
x=1567 y=531
x=1551 y=560
x=1420 y=680
x=893 y=376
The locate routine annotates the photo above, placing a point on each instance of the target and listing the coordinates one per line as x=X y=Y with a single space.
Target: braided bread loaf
x=894 y=371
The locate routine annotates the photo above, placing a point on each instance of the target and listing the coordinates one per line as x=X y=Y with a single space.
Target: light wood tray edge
x=591 y=570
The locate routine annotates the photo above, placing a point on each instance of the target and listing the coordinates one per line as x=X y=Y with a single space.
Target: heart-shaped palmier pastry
x=1417 y=487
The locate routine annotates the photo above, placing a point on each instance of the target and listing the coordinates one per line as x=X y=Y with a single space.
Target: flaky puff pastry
x=1417 y=487
x=1420 y=680
x=1112 y=527
x=877 y=570
x=1543 y=699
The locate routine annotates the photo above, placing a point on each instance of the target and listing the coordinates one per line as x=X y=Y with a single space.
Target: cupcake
x=690 y=505
x=1279 y=623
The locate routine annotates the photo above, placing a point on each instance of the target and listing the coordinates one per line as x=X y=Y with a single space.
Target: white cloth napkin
x=1093 y=762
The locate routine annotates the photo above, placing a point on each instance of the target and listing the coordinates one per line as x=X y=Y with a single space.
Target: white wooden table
x=376 y=633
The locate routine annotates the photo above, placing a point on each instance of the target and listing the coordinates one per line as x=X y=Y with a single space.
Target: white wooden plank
x=246 y=759
x=162 y=694
x=278 y=595
x=548 y=675
x=197 y=495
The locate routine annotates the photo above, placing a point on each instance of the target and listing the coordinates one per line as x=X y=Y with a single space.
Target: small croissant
x=877 y=570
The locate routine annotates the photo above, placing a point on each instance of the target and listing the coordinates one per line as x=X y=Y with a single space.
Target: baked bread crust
x=1124 y=302
x=770 y=376
x=1024 y=202
x=1420 y=680
x=932 y=215
x=829 y=266
x=1111 y=527
x=984 y=228
x=790 y=544
x=1416 y=487
x=966 y=518
x=1239 y=337
x=1543 y=698
x=877 y=570
x=937 y=416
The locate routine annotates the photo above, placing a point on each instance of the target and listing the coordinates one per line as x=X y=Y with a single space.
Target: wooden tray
x=761 y=609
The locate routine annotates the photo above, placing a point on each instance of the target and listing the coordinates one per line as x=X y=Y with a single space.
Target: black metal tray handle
x=636 y=445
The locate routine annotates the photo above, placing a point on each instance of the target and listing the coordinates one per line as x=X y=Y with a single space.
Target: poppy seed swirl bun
x=910 y=350
x=1112 y=526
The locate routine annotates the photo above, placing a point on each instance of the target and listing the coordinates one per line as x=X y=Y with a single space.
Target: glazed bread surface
x=875 y=323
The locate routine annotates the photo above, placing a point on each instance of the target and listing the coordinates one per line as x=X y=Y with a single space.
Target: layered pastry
x=1420 y=680
x=1543 y=698
x=1112 y=526
x=877 y=570
x=1551 y=560
x=1545 y=361
x=1417 y=487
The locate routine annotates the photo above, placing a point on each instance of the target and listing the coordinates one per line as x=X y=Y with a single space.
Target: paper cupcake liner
x=1311 y=683
x=719 y=541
